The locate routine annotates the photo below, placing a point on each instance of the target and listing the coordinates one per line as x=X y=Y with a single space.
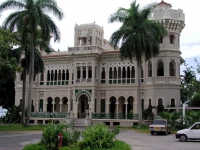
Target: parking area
x=145 y=141
x=138 y=141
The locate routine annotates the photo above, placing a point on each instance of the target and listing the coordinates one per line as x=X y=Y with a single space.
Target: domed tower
x=163 y=77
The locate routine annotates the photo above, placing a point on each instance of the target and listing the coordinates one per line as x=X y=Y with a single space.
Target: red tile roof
x=162 y=2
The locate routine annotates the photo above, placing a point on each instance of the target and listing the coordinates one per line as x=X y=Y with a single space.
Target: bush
x=118 y=145
x=34 y=147
x=50 y=135
x=98 y=137
x=13 y=115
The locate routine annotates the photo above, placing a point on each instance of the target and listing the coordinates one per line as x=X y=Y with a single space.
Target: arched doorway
x=65 y=104
x=112 y=105
x=82 y=106
x=49 y=104
x=130 y=105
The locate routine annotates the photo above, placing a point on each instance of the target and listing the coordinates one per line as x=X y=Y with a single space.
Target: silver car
x=3 y=112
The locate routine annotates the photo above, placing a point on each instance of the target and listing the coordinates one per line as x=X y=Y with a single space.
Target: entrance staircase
x=79 y=122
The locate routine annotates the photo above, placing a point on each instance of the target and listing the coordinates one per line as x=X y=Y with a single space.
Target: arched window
x=84 y=72
x=90 y=72
x=115 y=73
x=171 y=39
x=42 y=77
x=63 y=74
x=78 y=73
x=55 y=76
x=128 y=72
x=171 y=68
x=133 y=72
x=124 y=72
x=67 y=74
x=52 y=75
x=160 y=69
x=119 y=72
x=149 y=101
x=48 y=75
x=103 y=73
x=59 y=75
x=172 y=102
x=150 y=69
x=110 y=73
x=160 y=101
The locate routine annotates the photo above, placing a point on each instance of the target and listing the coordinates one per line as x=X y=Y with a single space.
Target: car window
x=196 y=127
x=159 y=122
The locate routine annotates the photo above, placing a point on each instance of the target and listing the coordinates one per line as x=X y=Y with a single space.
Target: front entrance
x=82 y=106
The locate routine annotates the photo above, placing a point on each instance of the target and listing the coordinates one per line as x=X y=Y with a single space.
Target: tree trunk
x=31 y=75
x=23 y=97
x=139 y=92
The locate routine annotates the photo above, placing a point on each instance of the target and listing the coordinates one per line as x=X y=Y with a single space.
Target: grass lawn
x=18 y=127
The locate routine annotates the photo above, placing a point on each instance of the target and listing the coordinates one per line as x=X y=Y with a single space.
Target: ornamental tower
x=173 y=21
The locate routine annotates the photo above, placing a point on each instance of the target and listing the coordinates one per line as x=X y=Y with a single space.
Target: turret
x=88 y=34
x=173 y=21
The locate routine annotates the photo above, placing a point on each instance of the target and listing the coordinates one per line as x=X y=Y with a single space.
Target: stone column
x=107 y=107
x=45 y=106
x=81 y=74
x=126 y=107
x=93 y=72
x=61 y=103
x=53 y=103
x=86 y=73
x=37 y=107
x=117 y=106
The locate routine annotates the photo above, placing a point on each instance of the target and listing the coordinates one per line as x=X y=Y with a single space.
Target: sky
x=98 y=11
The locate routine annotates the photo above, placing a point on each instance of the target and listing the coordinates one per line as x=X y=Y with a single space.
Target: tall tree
x=137 y=37
x=31 y=16
x=40 y=45
x=8 y=67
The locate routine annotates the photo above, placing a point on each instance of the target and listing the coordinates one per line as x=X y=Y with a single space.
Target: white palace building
x=91 y=75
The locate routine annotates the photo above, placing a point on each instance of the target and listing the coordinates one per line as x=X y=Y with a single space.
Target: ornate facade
x=92 y=76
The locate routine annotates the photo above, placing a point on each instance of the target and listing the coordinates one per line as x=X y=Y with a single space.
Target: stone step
x=81 y=122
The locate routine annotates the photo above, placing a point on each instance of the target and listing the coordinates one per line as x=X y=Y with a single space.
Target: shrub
x=50 y=135
x=13 y=115
x=118 y=145
x=98 y=137
x=34 y=147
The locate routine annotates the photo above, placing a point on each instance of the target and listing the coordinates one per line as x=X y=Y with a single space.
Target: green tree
x=192 y=117
x=40 y=45
x=8 y=67
x=195 y=101
x=137 y=37
x=188 y=79
x=31 y=16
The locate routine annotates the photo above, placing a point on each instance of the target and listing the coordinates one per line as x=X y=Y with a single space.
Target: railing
x=114 y=116
x=48 y=115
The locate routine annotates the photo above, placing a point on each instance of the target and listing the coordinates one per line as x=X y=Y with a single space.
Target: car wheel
x=183 y=138
x=166 y=133
x=152 y=133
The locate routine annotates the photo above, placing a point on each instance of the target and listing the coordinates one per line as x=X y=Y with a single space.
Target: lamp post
x=184 y=105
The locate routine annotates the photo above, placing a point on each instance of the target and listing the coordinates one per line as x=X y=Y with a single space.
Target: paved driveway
x=138 y=141
x=145 y=141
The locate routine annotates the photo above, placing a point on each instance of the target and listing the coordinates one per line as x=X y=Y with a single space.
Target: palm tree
x=137 y=37
x=25 y=63
x=32 y=15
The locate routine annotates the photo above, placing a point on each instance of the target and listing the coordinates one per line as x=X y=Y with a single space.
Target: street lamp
x=184 y=105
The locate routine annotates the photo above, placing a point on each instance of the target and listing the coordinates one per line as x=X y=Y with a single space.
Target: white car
x=3 y=112
x=193 y=133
